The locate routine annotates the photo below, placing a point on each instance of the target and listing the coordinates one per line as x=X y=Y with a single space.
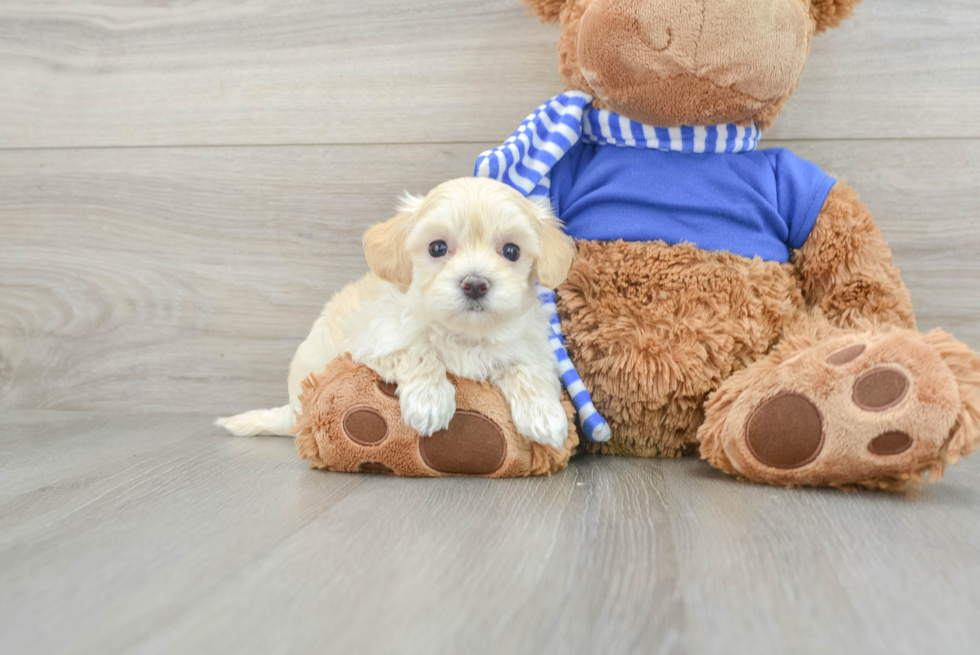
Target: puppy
x=450 y=290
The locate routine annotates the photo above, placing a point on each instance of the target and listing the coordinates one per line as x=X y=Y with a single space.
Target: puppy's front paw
x=427 y=408
x=542 y=421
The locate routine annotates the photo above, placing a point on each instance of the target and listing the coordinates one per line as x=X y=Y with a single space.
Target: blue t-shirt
x=760 y=203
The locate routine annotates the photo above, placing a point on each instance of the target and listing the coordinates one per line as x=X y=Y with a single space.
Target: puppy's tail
x=275 y=422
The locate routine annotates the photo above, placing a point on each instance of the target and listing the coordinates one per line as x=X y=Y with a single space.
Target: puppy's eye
x=511 y=251
x=438 y=249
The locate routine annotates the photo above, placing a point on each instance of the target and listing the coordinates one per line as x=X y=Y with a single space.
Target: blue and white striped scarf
x=593 y=425
x=525 y=160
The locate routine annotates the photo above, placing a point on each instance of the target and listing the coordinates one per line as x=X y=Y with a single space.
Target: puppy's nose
x=475 y=287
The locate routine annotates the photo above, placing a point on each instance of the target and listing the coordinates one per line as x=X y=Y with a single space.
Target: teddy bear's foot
x=351 y=421
x=876 y=409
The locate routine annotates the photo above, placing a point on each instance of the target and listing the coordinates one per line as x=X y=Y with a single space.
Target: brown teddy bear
x=724 y=299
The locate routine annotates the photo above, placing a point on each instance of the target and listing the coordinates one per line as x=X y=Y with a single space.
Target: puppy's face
x=470 y=250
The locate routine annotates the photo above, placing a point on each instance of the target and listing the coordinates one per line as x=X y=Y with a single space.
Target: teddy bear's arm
x=847 y=267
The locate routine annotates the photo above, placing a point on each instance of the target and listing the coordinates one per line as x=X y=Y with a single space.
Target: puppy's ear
x=384 y=244
x=548 y=10
x=557 y=248
x=830 y=13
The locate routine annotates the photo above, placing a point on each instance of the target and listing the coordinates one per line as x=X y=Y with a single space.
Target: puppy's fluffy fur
x=410 y=320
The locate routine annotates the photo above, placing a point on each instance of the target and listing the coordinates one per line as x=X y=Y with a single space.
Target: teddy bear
x=725 y=301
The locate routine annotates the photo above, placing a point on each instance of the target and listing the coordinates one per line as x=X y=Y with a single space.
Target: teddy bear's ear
x=830 y=13
x=547 y=9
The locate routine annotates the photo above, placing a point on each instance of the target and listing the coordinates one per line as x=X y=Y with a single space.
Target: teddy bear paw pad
x=375 y=467
x=890 y=443
x=365 y=426
x=389 y=389
x=847 y=355
x=471 y=445
x=787 y=413
x=880 y=389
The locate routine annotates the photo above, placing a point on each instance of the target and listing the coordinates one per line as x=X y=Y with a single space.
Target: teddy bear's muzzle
x=666 y=62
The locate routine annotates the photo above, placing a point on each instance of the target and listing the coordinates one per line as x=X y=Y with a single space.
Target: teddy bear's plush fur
x=809 y=372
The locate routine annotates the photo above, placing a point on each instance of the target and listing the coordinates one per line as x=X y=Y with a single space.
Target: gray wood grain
x=103 y=72
x=184 y=278
x=156 y=534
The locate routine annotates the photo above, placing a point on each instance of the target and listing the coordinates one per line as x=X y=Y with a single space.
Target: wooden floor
x=156 y=534
x=182 y=187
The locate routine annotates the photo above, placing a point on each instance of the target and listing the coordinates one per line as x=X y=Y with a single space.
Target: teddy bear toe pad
x=875 y=411
x=365 y=426
x=375 y=467
x=880 y=389
x=890 y=443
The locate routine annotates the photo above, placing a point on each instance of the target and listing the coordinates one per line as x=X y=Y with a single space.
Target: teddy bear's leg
x=875 y=408
x=351 y=421
x=653 y=329
x=847 y=269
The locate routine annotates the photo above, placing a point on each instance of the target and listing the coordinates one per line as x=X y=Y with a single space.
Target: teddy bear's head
x=689 y=62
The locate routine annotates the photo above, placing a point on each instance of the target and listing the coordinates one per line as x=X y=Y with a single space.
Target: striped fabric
x=607 y=128
x=525 y=160
x=593 y=425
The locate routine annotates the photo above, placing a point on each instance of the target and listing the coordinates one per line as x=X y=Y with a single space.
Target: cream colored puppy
x=451 y=290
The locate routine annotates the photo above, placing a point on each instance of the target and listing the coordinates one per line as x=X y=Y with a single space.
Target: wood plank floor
x=156 y=534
